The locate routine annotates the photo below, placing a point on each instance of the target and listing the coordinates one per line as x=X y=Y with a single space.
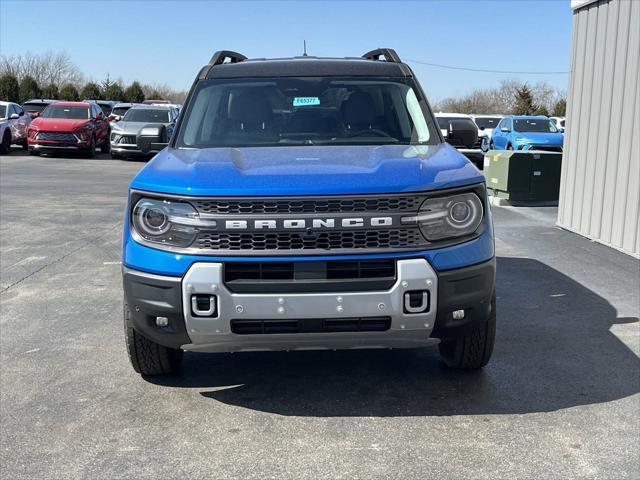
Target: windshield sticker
x=305 y=101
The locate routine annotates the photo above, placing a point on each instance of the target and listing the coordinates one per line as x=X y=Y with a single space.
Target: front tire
x=509 y=147
x=471 y=351
x=5 y=146
x=25 y=145
x=91 y=151
x=148 y=357
x=115 y=156
x=105 y=147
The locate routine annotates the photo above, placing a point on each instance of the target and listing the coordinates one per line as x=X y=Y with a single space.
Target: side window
x=19 y=109
x=509 y=124
x=10 y=110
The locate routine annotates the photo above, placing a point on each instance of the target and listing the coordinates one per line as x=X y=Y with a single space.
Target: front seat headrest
x=358 y=111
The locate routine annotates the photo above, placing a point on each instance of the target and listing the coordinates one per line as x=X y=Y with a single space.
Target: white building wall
x=600 y=184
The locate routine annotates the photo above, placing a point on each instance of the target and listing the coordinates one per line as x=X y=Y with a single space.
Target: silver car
x=124 y=132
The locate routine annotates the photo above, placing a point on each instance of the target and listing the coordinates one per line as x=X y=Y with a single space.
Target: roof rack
x=389 y=55
x=219 y=58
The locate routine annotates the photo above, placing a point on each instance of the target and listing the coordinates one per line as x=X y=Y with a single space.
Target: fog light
x=162 y=321
x=458 y=314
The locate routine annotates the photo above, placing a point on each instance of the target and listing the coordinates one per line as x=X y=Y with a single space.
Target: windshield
x=106 y=108
x=487 y=122
x=59 y=111
x=34 y=107
x=305 y=111
x=119 y=110
x=534 y=125
x=146 y=115
x=3 y=111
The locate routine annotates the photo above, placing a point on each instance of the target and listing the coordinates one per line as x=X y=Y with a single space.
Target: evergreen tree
x=69 y=92
x=134 y=94
x=114 y=92
x=524 y=101
x=9 y=88
x=29 y=89
x=50 y=91
x=560 y=108
x=91 y=91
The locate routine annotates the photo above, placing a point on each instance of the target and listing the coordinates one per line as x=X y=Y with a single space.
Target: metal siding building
x=600 y=184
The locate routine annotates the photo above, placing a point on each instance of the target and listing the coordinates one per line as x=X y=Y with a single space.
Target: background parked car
x=35 y=106
x=69 y=126
x=14 y=124
x=105 y=105
x=118 y=110
x=156 y=102
x=486 y=124
x=124 y=132
x=559 y=122
x=526 y=133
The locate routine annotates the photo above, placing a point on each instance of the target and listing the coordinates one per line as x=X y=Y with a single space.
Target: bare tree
x=47 y=68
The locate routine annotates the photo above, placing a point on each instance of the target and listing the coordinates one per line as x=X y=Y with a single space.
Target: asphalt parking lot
x=560 y=398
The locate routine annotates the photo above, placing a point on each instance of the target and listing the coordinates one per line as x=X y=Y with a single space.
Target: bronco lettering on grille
x=304 y=223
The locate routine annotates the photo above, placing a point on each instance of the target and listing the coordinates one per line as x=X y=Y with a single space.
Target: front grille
x=314 y=276
x=57 y=137
x=336 y=205
x=546 y=148
x=310 y=325
x=333 y=240
x=128 y=139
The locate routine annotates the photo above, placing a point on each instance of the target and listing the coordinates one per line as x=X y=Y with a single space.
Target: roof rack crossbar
x=389 y=55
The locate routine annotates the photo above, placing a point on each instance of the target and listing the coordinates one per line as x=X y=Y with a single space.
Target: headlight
x=166 y=222
x=449 y=217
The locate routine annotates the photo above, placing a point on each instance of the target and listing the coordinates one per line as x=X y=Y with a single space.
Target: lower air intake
x=310 y=325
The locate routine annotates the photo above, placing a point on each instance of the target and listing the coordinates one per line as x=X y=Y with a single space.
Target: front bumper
x=150 y=296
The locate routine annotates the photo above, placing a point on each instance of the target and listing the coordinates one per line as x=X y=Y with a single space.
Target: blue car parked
x=526 y=133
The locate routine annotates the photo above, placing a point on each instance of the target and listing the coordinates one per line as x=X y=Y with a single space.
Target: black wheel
x=6 y=142
x=473 y=350
x=91 y=151
x=509 y=147
x=147 y=357
x=25 y=145
x=115 y=156
x=34 y=153
x=105 y=147
x=491 y=145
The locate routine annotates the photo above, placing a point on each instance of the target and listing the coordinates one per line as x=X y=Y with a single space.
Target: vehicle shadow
x=553 y=350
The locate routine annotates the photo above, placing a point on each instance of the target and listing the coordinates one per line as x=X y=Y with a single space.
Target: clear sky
x=168 y=41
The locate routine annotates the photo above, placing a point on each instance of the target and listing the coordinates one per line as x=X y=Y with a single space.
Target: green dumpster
x=531 y=176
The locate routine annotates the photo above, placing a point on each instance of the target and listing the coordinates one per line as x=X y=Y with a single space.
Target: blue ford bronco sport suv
x=307 y=203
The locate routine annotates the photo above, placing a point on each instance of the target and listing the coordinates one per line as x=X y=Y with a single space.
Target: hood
x=130 y=127
x=306 y=170
x=59 y=124
x=540 y=137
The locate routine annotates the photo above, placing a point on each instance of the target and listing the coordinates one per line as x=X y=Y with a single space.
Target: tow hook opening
x=203 y=305
x=416 y=301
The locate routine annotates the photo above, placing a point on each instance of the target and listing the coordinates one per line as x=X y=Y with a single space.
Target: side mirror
x=99 y=116
x=14 y=116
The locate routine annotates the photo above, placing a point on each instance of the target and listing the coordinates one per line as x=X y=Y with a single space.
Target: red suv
x=69 y=126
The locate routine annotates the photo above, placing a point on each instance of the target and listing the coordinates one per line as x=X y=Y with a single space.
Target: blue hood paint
x=306 y=170
x=540 y=138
